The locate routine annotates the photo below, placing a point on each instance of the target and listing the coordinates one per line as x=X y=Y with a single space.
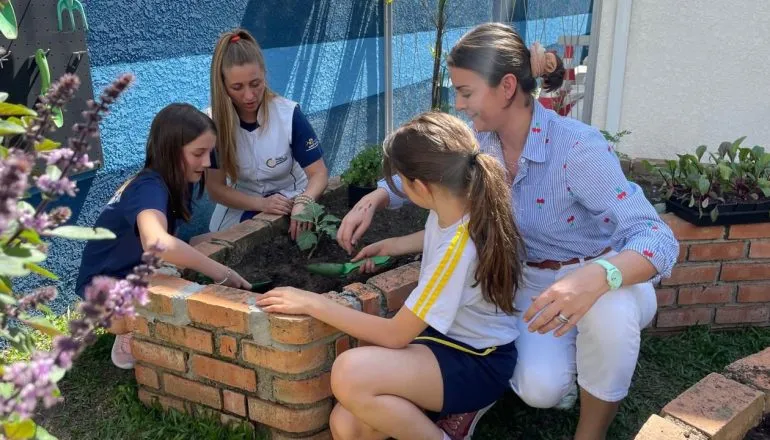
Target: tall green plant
x=365 y=169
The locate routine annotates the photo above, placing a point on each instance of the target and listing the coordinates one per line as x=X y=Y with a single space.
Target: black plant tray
x=730 y=214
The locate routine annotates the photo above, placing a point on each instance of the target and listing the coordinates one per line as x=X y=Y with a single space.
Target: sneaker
x=121 y=352
x=568 y=401
x=461 y=426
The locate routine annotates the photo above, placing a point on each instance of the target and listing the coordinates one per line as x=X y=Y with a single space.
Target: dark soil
x=761 y=432
x=284 y=263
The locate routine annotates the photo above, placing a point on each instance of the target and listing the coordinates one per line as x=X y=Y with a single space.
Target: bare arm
x=153 y=227
x=216 y=185
x=318 y=178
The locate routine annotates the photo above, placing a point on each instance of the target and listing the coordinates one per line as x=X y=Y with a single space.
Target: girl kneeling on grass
x=450 y=347
x=145 y=210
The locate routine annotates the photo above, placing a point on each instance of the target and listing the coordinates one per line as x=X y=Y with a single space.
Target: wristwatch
x=614 y=277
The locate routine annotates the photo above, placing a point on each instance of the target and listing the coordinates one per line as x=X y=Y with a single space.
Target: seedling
x=321 y=224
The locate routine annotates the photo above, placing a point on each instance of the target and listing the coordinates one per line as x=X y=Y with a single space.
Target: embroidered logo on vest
x=275 y=161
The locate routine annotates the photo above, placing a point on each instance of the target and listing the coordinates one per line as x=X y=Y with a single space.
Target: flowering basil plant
x=23 y=231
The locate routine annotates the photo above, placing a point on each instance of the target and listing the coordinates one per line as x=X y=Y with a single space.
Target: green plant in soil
x=365 y=168
x=321 y=224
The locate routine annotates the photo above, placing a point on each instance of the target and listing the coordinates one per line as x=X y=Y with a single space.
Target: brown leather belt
x=556 y=265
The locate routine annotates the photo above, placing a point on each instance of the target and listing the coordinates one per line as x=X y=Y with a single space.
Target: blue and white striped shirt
x=571 y=198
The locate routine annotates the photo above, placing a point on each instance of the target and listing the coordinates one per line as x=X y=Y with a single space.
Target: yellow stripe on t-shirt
x=440 y=274
x=448 y=273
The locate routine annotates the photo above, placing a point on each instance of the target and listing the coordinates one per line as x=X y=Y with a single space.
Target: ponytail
x=494 y=232
x=439 y=148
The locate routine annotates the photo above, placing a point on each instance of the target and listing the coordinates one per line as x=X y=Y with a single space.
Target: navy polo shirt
x=117 y=257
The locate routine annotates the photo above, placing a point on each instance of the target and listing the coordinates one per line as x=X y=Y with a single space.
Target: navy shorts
x=473 y=378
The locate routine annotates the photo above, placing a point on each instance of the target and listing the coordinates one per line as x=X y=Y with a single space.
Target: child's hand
x=289 y=300
x=382 y=247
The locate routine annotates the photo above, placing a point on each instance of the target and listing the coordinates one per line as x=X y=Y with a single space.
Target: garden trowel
x=342 y=269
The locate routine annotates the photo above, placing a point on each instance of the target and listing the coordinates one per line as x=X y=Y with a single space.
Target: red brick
x=228 y=346
x=141 y=326
x=371 y=300
x=323 y=435
x=222 y=307
x=721 y=408
x=149 y=399
x=753 y=371
x=759 y=249
x=146 y=376
x=684 y=230
x=756 y=230
x=196 y=339
x=290 y=419
x=741 y=315
x=234 y=402
x=224 y=372
x=745 y=271
x=293 y=362
x=161 y=291
x=303 y=391
x=717 y=251
x=215 y=251
x=192 y=391
x=688 y=274
x=298 y=330
x=158 y=355
x=248 y=230
x=341 y=345
x=684 y=317
x=396 y=284
x=754 y=292
x=682 y=253
x=666 y=297
x=706 y=295
x=658 y=428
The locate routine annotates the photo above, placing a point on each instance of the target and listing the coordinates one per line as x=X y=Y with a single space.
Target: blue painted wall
x=327 y=55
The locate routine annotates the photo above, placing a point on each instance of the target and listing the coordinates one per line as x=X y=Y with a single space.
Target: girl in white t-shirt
x=450 y=348
x=268 y=157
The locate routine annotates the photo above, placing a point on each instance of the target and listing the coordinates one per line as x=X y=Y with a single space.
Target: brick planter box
x=722 y=277
x=210 y=349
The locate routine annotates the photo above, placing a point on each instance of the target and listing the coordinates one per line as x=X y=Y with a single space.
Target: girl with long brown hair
x=450 y=347
x=147 y=208
x=268 y=158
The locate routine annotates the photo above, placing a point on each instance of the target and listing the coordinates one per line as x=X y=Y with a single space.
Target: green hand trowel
x=342 y=269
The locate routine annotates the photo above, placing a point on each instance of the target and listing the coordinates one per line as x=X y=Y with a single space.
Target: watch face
x=616 y=278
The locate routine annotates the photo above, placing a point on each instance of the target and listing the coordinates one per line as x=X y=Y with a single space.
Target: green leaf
x=303 y=217
x=699 y=151
x=8 y=109
x=53 y=172
x=724 y=171
x=330 y=230
x=42 y=434
x=8 y=299
x=703 y=185
x=5 y=288
x=42 y=325
x=57 y=117
x=6 y=389
x=714 y=214
x=22 y=430
x=47 y=145
x=41 y=271
x=329 y=218
x=57 y=374
x=31 y=236
x=3 y=96
x=306 y=240
x=45 y=309
x=7 y=128
x=8 y=25
x=705 y=203
x=3 y=150
x=12 y=267
x=25 y=253
x=81 y=233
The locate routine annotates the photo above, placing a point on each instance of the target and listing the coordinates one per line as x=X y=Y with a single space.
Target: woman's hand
x=289 y=300
x=357 y=221
x=275 y=204
x=570 y=298
x=296 y=227
x=382 y=247
x=234 y=280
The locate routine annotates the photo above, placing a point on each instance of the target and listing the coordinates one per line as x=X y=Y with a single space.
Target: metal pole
x=388 y=62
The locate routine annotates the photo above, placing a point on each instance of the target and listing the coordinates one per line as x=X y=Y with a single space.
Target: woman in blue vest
x=268 y=157
x=594 y=243
x=147 y=208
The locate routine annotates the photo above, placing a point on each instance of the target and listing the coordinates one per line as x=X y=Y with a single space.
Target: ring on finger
x=563 y=319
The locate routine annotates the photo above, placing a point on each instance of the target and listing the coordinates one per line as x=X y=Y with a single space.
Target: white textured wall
x=693 y=76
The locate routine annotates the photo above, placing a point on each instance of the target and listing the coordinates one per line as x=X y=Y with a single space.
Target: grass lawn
x=100 y=400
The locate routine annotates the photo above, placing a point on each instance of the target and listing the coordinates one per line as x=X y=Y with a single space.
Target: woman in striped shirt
x=594 y=244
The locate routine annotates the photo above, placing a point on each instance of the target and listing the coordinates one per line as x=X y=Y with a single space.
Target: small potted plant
x=362 y=173
x=731 y=188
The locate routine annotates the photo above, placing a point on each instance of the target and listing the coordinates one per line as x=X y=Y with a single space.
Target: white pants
x=602 y=350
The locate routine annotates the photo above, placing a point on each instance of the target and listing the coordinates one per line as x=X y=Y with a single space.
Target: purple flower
x=39 y=222
x=32 y=380
x=60 y=215
x=59 y=94
x=58 y=187
x=43 y=295
x=60 y=157
x=14 y=171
